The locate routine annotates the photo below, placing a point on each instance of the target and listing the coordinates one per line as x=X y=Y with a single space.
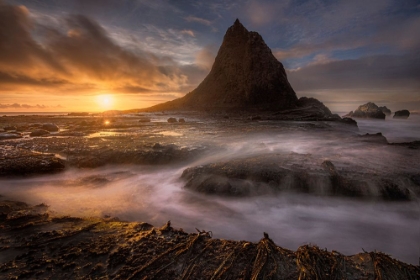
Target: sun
x=105 y=101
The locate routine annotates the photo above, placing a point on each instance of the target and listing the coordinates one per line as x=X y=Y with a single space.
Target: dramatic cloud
x=78 y=54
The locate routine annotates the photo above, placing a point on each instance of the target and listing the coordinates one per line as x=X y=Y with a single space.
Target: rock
x=349 y=121
x=367 y=111
x=39 y=132
x=8 y=128
x=385 y=110
x=374 y=138
x=5 y=136
x=402 y=114
x=308 y=109
x=50 y=127
x=245 y=75
x=172 y=120
x=181 y=120
x=144 y=119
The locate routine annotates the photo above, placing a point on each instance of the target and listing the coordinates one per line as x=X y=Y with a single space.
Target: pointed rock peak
x=237 y=27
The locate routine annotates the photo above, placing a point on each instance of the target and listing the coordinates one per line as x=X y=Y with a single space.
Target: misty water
x=155 y=194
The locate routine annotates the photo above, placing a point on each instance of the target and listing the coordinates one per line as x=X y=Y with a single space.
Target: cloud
x=381 y=72
x=188 y=32
x=205 y=57
x=198 y=20
x=78 y=55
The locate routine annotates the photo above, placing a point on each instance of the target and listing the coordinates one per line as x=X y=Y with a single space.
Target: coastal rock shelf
x=36 y=244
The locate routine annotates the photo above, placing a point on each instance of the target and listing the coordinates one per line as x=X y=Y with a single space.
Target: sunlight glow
x=105 y=101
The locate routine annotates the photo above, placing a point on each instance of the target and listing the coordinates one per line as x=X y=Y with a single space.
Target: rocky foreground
x=37 y=244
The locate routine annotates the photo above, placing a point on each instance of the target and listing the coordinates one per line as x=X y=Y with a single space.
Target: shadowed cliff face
x=245 y=75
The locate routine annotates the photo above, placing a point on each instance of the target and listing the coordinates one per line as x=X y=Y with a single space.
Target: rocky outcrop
x=39 y=132
x=50 y=127
x=244 y=76
x=367 y=111
x=402 y=114
x=385 y=110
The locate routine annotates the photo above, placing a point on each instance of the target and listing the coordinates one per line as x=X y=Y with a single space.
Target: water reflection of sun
x=105 y=101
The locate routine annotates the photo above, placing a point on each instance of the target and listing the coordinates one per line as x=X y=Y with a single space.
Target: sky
x=97 y=55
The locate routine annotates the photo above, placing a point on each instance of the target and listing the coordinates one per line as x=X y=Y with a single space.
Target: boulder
x=181 y=120
x=50 y=127
x=367 y=111
x=402 y=114
x=385 y=110
x=5 y=136
x=39 y=132
x=172 y=120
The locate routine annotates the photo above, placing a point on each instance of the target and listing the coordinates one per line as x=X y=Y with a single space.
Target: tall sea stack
x=244 y=76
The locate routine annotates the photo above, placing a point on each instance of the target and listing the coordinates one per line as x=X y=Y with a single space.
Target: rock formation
x=402 y=114
x=367 y=111
x=244 y=76
x=385 y=110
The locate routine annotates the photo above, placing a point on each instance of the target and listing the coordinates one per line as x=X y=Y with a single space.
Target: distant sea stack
x=244 y=76
x=402 y=114
x=367 y=111
x=385 y=110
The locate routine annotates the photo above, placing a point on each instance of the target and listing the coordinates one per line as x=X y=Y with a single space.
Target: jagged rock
x=402 y=114
x=39 y=132
x=172 y=120
x=385 y=110
x=50 y=127
x=369 y=110
x=245 y=75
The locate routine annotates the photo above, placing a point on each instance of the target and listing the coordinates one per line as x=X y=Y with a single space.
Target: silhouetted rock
x=50 y=127
x=39 y=132
x=367 y=111
x=245 y=75
x=181 y=120
x=308 y=109
x=385 y=110
x=402 y=114
x=172 y=120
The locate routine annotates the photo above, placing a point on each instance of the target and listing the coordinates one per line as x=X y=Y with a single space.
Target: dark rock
x=402 y=114
x=50 y=127
x=368 y=110
x=385 y=110
x=245 y=75
x=374 y=138
x=349 y=121
x=172 y=120
x=4 y=136
x=8 y=128
x=39 y=132
x=181 y=120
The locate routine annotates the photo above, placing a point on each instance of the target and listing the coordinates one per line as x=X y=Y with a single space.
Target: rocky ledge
x=36 y=244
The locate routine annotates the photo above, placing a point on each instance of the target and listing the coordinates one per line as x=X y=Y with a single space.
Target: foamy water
x=156 y=195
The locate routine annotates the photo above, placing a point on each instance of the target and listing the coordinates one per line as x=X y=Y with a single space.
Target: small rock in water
x=172 y=120
x=39 y=132
x=181 y=120
x=402 y=114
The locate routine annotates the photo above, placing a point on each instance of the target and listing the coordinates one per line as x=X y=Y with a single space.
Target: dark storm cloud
x=371 y=72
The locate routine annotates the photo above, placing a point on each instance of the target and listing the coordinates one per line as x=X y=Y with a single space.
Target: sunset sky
x=96 y=55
